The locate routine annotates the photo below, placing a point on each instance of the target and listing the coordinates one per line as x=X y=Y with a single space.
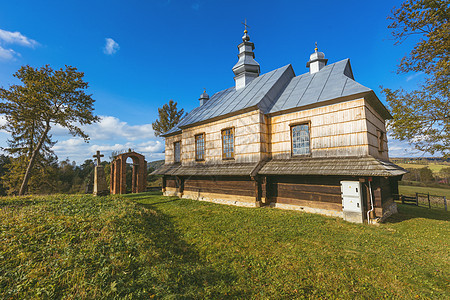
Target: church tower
x=316 y=61
x=246 y=69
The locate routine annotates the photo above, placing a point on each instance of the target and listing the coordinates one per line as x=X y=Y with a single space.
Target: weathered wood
x=217 y=190
x=312 y=188
x=309 y=196
x=312 y=204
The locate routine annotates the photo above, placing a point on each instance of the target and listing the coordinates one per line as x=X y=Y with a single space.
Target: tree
x=46 y=98
x=422 y=116
x=4 y=162
x=169 y=117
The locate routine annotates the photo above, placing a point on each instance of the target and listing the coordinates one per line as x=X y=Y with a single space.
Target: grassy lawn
x=412 y=190
x=147 y=246
x=436 y=168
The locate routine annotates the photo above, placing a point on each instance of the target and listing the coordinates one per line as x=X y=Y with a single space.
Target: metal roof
x=277 y=91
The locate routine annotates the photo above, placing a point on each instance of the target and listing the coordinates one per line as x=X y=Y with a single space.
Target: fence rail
x=425 y=200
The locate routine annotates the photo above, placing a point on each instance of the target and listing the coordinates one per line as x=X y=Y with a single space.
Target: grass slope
x=148 y=246
x=409 y=190
x=435 y=168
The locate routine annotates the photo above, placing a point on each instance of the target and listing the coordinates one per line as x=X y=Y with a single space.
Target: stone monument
x=100 y=187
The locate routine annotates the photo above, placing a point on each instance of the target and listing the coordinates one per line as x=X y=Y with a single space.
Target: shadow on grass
x=187 y=274
x=408 y=212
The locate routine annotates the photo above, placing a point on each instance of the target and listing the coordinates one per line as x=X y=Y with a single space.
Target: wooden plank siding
x=235 y=185
x=250 y=144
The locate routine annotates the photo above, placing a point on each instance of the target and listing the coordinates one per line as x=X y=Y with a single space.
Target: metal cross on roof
x=245 y=24
x=98 y=155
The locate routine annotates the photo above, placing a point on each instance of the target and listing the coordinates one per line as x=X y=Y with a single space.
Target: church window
x=300 y=139
x=228 y=143
x=177 y=151
x=200 y=146
x=380 y=138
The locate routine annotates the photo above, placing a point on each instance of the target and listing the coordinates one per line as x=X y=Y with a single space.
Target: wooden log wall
x=237 y=185
x=171 y=182
x=295 y=189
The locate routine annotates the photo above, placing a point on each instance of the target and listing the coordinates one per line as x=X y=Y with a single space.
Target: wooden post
x=401 y=198
x=417 y=199
x=445 y=203
x=429 y=203
x=164 y=183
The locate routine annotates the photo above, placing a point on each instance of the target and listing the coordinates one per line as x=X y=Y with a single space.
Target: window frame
x=224 y=156
x=308 y=123
x=380 y=140
x=203 y=135
x=174 y=152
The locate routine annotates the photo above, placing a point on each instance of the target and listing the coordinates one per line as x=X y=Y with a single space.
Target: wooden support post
x=429 y=203
x=417 y=199
x=445 y=203
x=258 y=190
x=164 y=183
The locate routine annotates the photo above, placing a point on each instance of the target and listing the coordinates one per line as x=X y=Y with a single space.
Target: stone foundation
x=321 y=211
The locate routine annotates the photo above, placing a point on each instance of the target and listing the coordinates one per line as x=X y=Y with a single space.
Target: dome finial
x=245 y=38
x=315 y=49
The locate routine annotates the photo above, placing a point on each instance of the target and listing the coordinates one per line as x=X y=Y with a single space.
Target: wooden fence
x=426 y=200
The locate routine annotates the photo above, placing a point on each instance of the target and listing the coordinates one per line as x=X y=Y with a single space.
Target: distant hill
x=153 y=165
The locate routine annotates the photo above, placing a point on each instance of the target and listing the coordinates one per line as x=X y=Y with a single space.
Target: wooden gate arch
x=119 y=173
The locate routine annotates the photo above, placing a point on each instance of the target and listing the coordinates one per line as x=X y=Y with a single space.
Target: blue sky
x=137 y=55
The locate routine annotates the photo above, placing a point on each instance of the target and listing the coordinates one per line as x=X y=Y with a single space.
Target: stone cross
x=98 y=155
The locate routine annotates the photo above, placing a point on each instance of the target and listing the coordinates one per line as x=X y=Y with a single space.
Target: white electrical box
x=352 y=201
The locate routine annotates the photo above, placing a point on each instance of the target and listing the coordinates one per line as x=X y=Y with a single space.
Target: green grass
x=148 y=246
x=435 y=168
x=409 y=190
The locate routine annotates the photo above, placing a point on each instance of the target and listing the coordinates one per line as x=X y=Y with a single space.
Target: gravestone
x=100 y=187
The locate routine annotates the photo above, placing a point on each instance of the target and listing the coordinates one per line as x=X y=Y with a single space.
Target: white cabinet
x=352 y=201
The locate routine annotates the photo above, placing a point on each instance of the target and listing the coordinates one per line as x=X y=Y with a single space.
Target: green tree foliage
x=422 y=117
x=46 y=98
x=169 y=116
x=4 y=162
x=424 y=175
x=445 y=174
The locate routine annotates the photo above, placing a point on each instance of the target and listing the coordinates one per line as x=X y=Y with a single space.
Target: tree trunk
x=24 y=186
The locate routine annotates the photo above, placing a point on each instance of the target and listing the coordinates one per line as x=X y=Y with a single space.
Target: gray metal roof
x=277 y=91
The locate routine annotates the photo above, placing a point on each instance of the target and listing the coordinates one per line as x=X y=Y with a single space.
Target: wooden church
x=315 y=142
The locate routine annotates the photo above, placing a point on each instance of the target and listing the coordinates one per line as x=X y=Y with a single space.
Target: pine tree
x=46 y=98
x=169 y=117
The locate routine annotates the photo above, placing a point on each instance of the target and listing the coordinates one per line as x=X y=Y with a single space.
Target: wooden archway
x=119 y=173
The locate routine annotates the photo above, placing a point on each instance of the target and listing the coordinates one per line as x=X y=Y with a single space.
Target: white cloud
x=111 y=46
x=110 y=134
x=110 y=128
x=17 y=38
x=2 y=120
x=415 y=75
x=7 y=54
x=14 y=38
